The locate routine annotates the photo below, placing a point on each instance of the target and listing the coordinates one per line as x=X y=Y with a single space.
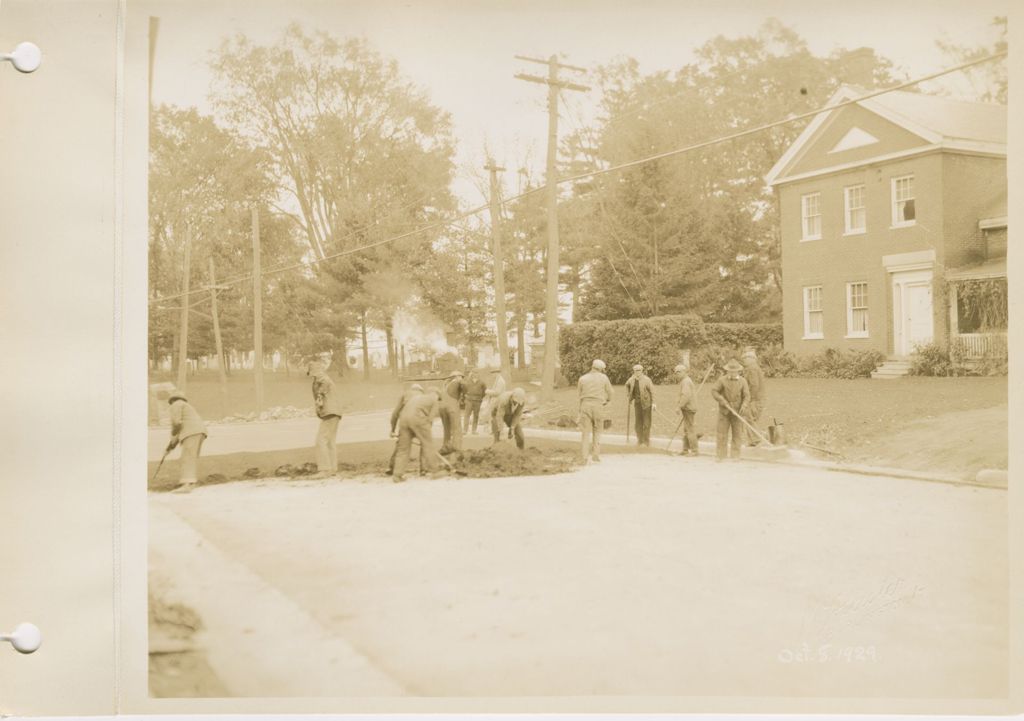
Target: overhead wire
x=440 y=224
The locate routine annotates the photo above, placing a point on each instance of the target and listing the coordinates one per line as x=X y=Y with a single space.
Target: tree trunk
x=366 y=350
x=390 y=334
x=521 y=338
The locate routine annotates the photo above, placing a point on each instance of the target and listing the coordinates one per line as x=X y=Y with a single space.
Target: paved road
x=668 y=577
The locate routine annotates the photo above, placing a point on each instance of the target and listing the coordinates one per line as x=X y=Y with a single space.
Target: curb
x=990 y=479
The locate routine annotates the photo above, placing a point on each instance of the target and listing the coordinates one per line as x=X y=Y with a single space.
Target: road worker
x=508 y=412
x=476 y=389
x=687 y=407
x=414 y=390
x=595 y=393
x=453 y=400
x=732 y=395
x=640 y=393
x=327 y=403
x=754 y=377
x=188 y=430
x=416 y=420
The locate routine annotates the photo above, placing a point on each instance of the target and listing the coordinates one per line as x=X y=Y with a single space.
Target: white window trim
x=892 y=203
x=847 y=230
x=849 y=313
x=803 y=218
x=807 y=314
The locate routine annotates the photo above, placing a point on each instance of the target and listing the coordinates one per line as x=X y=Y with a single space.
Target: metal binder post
x=26 y=638
x=25 y=58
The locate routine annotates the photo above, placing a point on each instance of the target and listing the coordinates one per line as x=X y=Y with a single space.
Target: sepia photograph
x=576 y=349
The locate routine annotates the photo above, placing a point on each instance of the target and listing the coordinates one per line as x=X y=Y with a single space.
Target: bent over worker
x=328 y=409
x=416 y=421
x=188 y=429
x=508 y=412
x=595 y=392
x=414 y=390
x=732 y=395
x=640 y=392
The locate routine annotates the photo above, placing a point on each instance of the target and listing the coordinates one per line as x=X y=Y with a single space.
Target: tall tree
x=360 y=153
x=696 y=232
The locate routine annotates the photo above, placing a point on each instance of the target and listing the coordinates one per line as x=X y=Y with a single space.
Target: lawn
x=864 y=420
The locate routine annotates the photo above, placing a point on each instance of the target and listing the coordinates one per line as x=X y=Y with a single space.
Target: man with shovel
x=188 y=429
x=732 y=394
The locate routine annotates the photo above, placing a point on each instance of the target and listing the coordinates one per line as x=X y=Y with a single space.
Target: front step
x=892 y=369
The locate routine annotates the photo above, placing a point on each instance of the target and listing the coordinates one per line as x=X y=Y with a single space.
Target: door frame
x=901 y=282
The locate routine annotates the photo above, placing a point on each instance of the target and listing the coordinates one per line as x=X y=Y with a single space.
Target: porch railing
x=978 y=345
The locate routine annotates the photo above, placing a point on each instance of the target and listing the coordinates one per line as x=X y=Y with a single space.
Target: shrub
x=737 y=335
x=777 y=362
x=932 y=359
x=654 y=342
x=833 y=363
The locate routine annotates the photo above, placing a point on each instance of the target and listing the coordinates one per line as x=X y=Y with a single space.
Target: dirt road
x=676 y=577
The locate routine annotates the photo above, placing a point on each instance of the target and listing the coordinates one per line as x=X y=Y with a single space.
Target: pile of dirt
x=506 y=460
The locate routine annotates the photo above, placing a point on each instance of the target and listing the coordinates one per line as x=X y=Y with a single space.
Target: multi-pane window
x=813 y=317
x=811 y=214
x=857 y=310
x=903 y=211
x=856 y=214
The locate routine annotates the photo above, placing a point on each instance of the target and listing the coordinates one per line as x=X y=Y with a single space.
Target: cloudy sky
x=462 y=51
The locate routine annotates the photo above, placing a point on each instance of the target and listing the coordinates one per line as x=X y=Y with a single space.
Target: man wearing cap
x=732 y=395
x=187 y=429
x=416 y=420
x=595 y=393
x=476 y=389
x=687 y=405
x=754 y=376
x=453 y=400
x=414 y=390
x=327 y=403
x=508 y=412
x=640 y=392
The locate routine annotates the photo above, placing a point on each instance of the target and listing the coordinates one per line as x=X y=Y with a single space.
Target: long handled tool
x=745 y=422
x=159 y=466
x=629 y=407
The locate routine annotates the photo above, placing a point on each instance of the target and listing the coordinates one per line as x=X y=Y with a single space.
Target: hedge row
x=655 y=342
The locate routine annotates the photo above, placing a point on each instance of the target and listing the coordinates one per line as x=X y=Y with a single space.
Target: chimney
x=859 y=68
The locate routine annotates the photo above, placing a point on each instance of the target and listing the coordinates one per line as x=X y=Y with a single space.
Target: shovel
x=159 y=466
x=780 y=451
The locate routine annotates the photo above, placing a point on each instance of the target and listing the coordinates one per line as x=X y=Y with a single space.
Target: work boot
x=596 y=459
x=398 y=479
x=186 y=487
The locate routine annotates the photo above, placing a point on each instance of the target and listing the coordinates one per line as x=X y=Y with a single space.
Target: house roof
x=994 y=268
x=941 y=122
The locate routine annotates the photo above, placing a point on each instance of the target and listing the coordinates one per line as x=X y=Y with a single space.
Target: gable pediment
x=854 y=138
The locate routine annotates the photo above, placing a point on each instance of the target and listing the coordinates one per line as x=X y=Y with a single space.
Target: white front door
x=913 y=314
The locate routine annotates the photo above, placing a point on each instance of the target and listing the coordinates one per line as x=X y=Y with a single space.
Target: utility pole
x=551 y=305
x=501 y=320
x=218 y=344
x=185 y=301
x=257 y=311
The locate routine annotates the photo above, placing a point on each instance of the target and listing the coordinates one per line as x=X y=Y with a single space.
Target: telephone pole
x=185 y=301
x=501 y=319
x=551 y=304
x=257 y=311
x=218 y=343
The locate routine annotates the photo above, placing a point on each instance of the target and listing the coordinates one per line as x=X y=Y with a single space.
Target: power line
x=602 y=171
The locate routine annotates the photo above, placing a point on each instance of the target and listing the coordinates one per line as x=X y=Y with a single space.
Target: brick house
x=886 y=205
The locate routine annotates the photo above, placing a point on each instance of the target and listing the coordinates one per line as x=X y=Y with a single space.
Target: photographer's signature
x=851 y=611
